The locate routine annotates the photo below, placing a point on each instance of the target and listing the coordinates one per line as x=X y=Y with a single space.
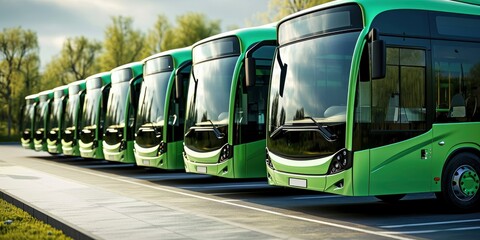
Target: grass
x=17 y=224
x=12 y=138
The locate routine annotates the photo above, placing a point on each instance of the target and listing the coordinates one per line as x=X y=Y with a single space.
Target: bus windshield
x=90 y=108
x=151 y=107
x=28 y=114
x=209 y=93
x=208 y=102
x=70 y=113
x=40 y=114
x=54 y=122
x=307 y=114
x=117 y=100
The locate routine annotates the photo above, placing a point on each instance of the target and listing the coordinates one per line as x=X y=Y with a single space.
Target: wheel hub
x=465 y=183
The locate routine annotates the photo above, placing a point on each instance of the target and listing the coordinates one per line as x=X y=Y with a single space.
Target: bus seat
x=457 y=106
x=392 y=109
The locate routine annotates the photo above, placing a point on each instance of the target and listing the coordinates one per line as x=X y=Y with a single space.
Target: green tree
x=156 y=35
x=77 y=60
x=122 y=44
x=54 y=74
x=18 y=56
x=191 y=27
x=78 y=57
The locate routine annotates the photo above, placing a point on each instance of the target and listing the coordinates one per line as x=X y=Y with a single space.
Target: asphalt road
x=290 y=213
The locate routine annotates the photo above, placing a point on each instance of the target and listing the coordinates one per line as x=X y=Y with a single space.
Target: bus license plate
x=201 y=169
x=146 y=162
x=295 y=182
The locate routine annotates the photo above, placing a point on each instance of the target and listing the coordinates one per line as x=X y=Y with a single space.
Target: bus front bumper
x=26 y=143
x=88 y=151
x=69 y=149
x=52 y=147
x=339 y=183
x=148 y=157
x=113 y=153
x=207 y=163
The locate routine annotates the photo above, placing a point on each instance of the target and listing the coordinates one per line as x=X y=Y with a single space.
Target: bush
x=17 y=224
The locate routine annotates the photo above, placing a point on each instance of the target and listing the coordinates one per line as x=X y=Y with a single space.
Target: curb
x=67 y=229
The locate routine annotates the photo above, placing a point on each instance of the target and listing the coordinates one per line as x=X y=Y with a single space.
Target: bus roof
x=372 y=8
x=137 y=68
x=80 y=83
x=247 y=36
x=47 y=93
x=179 y=55
x=60 y=91
x=32 y=96
x=105 y=76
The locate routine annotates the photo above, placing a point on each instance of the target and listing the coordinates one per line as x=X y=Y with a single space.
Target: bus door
x=400 y=140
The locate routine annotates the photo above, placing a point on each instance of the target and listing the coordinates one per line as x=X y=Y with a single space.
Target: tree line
x=81 y=57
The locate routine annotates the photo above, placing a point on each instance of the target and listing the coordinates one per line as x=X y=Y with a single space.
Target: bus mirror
x=283 y=76
x=250 y=73
x=377 y=55
x=182 y=74
x=133 y=94
x=178 y=86
x=105 y=93
x=378 y=59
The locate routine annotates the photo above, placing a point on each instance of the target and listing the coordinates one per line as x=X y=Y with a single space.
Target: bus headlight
x=341 y=161
x=162 y=148
x=225 y=153
x=268 y=161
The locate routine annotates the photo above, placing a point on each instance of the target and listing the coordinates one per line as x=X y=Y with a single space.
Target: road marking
x=432 y=230
x=317 y=197
x=331 y=224
x=430 y=223
x=121 y=165
x=230 y=193
x=232 y=200
x=227 y=186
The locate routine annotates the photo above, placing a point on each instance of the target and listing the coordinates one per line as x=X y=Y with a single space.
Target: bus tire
x=461 y=182
x=390 y=198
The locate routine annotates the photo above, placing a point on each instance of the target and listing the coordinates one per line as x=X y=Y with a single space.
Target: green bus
x=93 y=115
x=378 y=98
x=121 y=110
x=55 y=126
x=73 y=113
x=161 y=110
x=225 y=113
x=42 y=112
x=28 y=121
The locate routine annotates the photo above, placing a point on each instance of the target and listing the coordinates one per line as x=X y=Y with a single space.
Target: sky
x=56 y=20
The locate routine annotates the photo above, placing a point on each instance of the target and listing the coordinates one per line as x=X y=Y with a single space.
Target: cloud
x=56 y=20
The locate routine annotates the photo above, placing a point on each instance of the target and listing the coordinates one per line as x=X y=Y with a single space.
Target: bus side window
x=457 y=79
x=251 y=102
x=398 y=100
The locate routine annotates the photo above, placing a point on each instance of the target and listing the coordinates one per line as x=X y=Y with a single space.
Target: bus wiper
x=214 y=129
x=277 y=131
x=329 y=136
x=195 y=80
x=283 y=73
x=217 y=132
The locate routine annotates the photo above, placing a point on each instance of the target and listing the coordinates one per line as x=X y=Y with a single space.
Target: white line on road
x=432 y=230
x=226 y=186
x=317 y=197
x=331 y=224
x=430 y=223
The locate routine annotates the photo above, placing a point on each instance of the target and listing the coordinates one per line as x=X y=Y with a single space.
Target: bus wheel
x=390 y=198
x=461 y=182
